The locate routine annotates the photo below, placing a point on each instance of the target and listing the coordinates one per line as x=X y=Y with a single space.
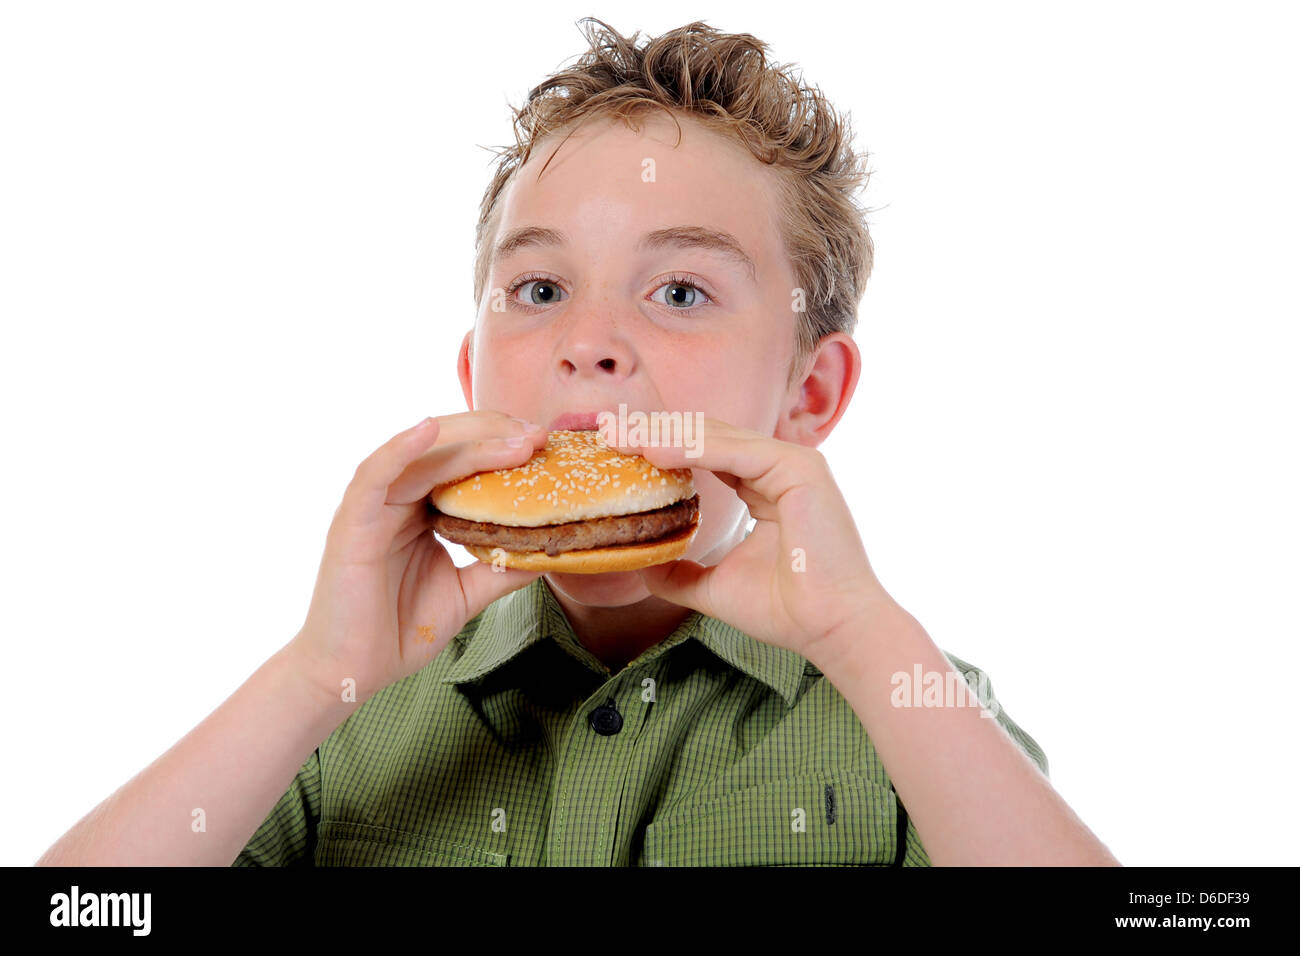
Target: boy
x=675 y=230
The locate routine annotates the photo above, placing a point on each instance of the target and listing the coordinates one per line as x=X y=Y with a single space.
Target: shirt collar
x=511 y=624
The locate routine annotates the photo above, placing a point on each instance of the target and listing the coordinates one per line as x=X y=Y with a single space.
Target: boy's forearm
x=976 y=798
x=233 y=766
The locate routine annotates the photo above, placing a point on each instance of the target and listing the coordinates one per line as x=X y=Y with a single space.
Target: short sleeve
x=287 y=837
x=914 y=853
x=983 y=687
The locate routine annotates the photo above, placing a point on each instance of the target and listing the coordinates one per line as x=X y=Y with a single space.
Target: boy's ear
x=464 y=368
x=815 y=404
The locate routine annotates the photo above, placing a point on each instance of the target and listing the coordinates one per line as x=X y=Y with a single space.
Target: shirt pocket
x=341 y=843
x=846 y=819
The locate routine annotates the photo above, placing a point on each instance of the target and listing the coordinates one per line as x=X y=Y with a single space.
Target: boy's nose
x=608 y=364
x=593 y=348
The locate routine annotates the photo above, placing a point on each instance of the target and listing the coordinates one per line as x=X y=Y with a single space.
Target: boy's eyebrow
x=682 y=236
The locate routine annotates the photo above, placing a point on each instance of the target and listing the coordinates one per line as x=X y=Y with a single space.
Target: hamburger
x=578 y=506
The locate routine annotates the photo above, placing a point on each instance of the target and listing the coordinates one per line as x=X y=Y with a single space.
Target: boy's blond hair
x=723 y=80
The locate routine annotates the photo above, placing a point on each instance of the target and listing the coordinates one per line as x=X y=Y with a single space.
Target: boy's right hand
x=388 y=598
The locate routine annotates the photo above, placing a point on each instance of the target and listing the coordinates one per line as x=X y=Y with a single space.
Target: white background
x=236 y=247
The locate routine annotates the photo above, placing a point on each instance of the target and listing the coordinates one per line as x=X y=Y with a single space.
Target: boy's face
x=601 y=321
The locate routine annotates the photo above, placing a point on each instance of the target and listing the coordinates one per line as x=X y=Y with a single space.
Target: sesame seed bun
x=576 y=477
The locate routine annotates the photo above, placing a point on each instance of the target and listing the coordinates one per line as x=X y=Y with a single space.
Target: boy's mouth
x=574 y=422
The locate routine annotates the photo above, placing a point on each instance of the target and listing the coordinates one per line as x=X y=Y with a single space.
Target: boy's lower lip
x=574 y=421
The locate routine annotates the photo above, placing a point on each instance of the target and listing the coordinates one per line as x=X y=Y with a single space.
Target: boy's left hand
x=801 y=577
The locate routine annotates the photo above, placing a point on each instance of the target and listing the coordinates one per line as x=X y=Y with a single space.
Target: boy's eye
x=680 y=294
x=552 y=293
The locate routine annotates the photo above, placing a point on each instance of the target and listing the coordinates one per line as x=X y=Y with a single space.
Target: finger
x=731 y=481
x=363 y=511
x=681 y=582
x=482 y=584
x=383 y=466
x=479 y=423
x=445 y=463
x=759 y=506
x=666 y=456
x=369 y=486
x=418 y=522
x=767 y=465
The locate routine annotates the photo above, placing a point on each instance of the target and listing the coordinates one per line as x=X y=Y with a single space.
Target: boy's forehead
x=606 y=174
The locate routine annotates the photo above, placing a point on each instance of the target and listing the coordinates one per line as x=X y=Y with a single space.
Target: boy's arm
x=976 y=797
x=915 y=853
x=801 y=580
x=234 y=766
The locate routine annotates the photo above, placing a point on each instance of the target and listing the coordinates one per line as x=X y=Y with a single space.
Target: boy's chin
x=615 y=589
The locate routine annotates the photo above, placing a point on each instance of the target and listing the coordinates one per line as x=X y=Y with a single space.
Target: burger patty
x=572 y=535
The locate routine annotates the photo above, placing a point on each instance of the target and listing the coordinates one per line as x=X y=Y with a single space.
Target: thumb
x=680 y=582
x=483 y=583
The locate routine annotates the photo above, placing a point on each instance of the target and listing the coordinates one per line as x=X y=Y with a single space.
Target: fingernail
x=422 y=424
x=515 y=441
x=532 y=427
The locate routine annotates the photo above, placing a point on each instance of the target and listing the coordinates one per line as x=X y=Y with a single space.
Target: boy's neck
x=619 y=635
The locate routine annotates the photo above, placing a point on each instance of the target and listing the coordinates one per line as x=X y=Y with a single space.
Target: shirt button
x=606 y=719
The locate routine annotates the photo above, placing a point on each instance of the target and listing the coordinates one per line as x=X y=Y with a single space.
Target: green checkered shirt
x=517 y=747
